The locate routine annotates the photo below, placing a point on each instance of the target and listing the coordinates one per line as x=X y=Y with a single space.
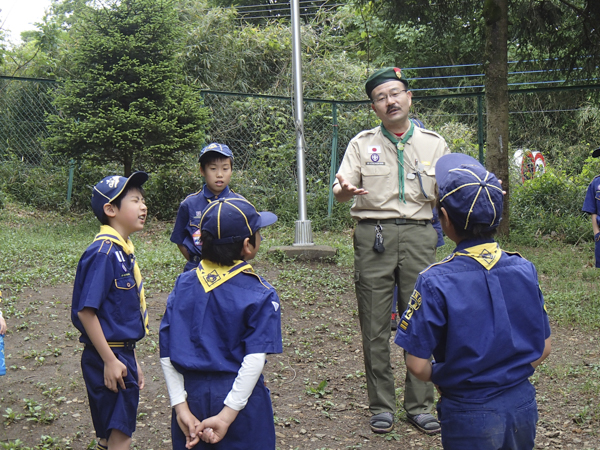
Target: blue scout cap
x=469 y=193
x=383 y=76
x=111 y=187
x=596 y=153
x=233 y=220
x=215 y=147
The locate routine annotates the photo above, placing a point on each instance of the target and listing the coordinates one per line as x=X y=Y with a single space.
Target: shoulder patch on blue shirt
x=413 y=305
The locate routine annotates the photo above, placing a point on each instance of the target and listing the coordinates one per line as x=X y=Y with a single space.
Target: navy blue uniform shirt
x=591 y=204
x=213 y=331
x=104 y=281
x=186 y=231
x=483 y=327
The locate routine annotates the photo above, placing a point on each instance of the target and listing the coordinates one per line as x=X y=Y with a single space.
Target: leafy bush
x=168 y=186
x=44 y=187
x=550 y=206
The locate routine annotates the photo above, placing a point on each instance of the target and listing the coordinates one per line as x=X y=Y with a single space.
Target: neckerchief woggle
x=400 y=148
x=212 y=275
x=109 y=233
x=487 y=254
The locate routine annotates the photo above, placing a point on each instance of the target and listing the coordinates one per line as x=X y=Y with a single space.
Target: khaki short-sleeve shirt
x=371 y=163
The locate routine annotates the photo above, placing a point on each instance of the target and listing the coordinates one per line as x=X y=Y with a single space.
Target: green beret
x=383 y=76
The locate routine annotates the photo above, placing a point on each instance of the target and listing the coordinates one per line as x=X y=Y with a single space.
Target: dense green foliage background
x=212 y=48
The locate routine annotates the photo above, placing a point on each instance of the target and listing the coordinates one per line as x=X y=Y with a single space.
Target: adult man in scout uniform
x=390 y=173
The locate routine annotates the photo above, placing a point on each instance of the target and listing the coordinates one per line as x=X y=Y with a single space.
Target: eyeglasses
x=394 y=95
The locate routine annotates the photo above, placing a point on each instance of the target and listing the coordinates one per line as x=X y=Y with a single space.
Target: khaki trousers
x=409 y=249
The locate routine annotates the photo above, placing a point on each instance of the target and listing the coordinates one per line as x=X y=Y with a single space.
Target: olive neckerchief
x=400 y=147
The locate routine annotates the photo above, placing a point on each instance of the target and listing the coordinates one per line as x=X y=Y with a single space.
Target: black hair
x=210 y=157
x=117 y=201
x=223 y=254
x=477 y=231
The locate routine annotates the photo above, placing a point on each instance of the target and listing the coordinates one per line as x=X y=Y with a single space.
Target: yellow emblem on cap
x=398 y=73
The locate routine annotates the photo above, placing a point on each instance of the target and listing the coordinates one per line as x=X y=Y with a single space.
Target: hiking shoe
x=394 y=322
x=425 y=423
x=382 y=422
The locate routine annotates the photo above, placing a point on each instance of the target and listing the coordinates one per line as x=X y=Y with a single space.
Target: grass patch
x=42 y=249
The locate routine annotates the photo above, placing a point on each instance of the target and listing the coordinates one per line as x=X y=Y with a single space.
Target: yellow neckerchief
x=487 y=254
x=109 y=233
x=212 y=275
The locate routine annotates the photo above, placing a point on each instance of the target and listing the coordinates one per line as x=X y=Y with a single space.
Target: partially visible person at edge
x=216 y=167
x=2 y=321
x=481 y=313
x=591 y=205
x=389 y=171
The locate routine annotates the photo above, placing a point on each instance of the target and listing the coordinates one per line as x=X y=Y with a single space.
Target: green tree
x=126 y=101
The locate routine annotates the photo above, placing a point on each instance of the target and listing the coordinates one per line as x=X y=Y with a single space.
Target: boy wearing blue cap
x=481 y=313
x=220 y=323
x=109 y=309
x=591 y=205
x=216 y=166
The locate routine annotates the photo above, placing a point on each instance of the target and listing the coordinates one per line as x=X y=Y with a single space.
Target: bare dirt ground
x=317 y=384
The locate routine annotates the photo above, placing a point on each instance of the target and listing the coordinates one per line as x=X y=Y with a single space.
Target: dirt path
x=317 y=384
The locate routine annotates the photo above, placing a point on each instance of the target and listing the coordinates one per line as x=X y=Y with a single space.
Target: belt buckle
x=129 y=345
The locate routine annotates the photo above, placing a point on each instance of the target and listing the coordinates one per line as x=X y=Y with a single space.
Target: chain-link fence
x=24 y=104
x=261 y=132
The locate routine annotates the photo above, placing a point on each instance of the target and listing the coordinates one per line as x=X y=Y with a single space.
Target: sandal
x=425 y=423
x=382 y=422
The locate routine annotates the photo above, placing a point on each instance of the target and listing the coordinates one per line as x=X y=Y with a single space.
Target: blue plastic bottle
x=2 y=363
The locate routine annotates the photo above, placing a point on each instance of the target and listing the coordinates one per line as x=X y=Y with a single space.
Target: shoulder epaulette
x=597 y=176
x=192 y=195
x=105 y=246
x=366 y=132
x=426 y=131
x=513 y=253
x=249 y=272
x=443 y=261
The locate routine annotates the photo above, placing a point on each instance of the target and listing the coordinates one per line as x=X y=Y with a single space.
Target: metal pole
x=333 y=169
x=303 y=234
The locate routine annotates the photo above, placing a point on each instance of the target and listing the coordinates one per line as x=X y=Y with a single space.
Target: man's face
x=391 y=102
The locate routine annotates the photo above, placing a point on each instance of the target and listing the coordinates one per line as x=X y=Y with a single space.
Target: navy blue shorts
x=504 y=422
x=253 y=428
x=597 y=251
x=111 y=410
